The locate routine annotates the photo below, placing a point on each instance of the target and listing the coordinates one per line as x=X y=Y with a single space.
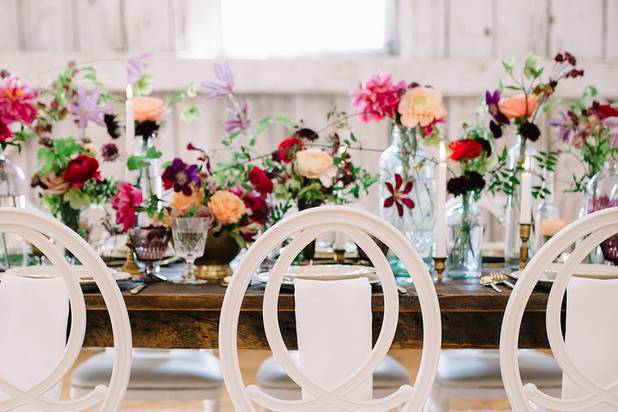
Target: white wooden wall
x=455 y=45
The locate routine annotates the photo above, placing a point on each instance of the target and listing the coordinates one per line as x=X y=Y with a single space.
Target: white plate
x=323 y=272
x=49 y=271
x=583 y=270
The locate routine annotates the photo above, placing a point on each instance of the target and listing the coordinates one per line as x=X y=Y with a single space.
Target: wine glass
x=189 y=235
x=150 y=244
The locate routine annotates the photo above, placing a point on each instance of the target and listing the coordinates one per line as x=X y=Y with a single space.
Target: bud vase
x=465 y=239
x=406 y=192
x=13 y=250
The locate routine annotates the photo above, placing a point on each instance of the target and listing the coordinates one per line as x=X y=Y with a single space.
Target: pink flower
x=17 y=101
x=378 y=97
x=125 y=204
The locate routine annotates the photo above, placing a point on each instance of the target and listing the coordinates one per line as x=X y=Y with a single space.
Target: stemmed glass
x=189 y=235
x=150 y=244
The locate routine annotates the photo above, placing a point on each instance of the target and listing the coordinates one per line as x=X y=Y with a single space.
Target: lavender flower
x=87 y=108
x=135 y=67
x=225 y=87
x=240 y=122
x=562 y=124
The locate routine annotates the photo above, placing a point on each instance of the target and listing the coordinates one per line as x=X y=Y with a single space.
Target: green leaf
x=143 y=85
x=153 y=153
x=46 y=157
x=136 y=162
x=508 y=64
x=532 y=67
x=77 y=199
x=263 y=125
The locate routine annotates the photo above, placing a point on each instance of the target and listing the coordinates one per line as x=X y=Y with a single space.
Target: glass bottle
x=547 y=215
x=148 y=179
x=13 y=248
x=516 y=156
x=465 y=239
x=408 y=158
x=602 y=192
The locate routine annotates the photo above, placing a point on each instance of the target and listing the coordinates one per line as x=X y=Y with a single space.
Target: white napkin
x=592 y=334
x=333 y=327
x=33 y=326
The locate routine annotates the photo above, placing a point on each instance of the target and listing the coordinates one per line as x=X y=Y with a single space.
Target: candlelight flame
x=129 y=92
x=442 y=152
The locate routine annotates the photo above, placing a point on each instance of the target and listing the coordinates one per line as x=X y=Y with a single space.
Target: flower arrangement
x=472 y=154
x=17 y=110
x=588 y=130
x=531 y=96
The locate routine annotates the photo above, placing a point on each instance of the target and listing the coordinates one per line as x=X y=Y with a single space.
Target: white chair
x=304 y=227
x=158 y=376
x=589 y=231
x=38 y=230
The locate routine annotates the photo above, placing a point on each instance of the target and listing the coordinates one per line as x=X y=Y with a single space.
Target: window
x=260 y=28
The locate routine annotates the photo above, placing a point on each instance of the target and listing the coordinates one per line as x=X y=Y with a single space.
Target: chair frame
x=593 y=229
x=38 y=229
x=303 y=227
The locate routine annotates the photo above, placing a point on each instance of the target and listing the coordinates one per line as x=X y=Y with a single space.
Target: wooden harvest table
x=166 y=315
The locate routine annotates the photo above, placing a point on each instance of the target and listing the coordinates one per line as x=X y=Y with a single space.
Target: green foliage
x=136 y=162
x=546 y=162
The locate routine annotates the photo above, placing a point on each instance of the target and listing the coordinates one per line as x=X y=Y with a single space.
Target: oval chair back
x=39 y=230
x=302 y=228
x=591 y=231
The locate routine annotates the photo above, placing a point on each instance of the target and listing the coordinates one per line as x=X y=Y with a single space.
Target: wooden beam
x=338 y=76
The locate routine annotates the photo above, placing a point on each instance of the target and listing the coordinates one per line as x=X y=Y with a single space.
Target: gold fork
x=488 y=280
x=500 y=277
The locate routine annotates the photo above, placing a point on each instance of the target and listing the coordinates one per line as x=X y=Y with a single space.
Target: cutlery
x=487 y=280
x=137 y=289
x=500 y=277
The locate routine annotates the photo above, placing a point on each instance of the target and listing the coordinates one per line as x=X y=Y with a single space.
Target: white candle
x=129 y=134
x=441 y=204
x=339 y=241
x=525 y=206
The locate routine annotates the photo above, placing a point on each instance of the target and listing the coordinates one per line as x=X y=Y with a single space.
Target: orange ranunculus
x=148 y=108
x=227 y=207
x=515 y=106
x=181 y=204
x=421 y=106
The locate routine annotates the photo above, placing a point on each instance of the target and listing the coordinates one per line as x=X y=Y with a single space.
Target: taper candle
x=525 y=205
x=441 y=204
x=129 y=128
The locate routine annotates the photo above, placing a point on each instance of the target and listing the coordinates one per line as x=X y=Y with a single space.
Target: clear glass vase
x=547 y=217
x=13 y=248
x=407 y=158
x=516 y=156
x=148 y=179
x=465 y=239
x=602 y=192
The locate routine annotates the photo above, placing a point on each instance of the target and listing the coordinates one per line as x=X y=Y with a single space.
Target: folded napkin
x=333 y=327
x=33 y=326
x=592 y=334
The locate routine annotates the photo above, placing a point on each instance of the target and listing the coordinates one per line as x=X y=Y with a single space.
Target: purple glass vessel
x=602 y=194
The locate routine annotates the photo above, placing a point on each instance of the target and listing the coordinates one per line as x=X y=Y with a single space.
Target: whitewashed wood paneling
x=521 y=27
x=422 y=28
x=577 y=26
x=47 y=25
x=470 y=28
x=9 y=34
x=149 y=25
x=99 y=25
x=611 y=36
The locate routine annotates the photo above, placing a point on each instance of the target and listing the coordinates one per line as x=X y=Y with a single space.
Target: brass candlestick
x=339 y=255
x=439 y=264
x=524 y=234
x=129 y=265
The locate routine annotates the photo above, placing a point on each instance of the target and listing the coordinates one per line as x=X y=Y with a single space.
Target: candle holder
x=129 y=266
x=339 y=255
x=524 y=234
x=439 y=264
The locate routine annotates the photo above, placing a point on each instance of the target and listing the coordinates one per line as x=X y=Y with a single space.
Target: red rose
x=258 y=205
x=604 y=110
x=465 y=149
x=288 y=147
x=260 y=181
x=80 y=169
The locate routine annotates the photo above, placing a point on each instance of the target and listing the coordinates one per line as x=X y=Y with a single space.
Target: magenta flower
x=240 y=121
x=125 y=203
x=17 y=101
x=398 y=196
x=135 y=67
x=87 y=108
x=378 y=97
x=223 y=73
x=109 y=152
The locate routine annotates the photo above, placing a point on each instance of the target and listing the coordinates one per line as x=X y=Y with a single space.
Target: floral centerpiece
x=531 y=95
x=18 y=110
x=413 y=111
x=465 y=226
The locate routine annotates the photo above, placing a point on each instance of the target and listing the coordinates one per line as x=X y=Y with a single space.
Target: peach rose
x=316 y=164
x=148 y=108
x=182 y=204
x=515 y=106
x=550 y=227
x=421 y=106
x=227 y=207
x=56 y=185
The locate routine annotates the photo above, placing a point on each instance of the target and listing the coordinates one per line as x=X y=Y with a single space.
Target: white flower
x=316 y=164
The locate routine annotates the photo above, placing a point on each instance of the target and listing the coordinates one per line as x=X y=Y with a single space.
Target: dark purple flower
x=111 y=122
x=399 y=197
x=491 y=100
x=135 y=67
x=225 y=87
x=109 y=152
x=180 y=176
x=529 y=131
x=87 y=108
x=240 y=122
x=496 y=130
